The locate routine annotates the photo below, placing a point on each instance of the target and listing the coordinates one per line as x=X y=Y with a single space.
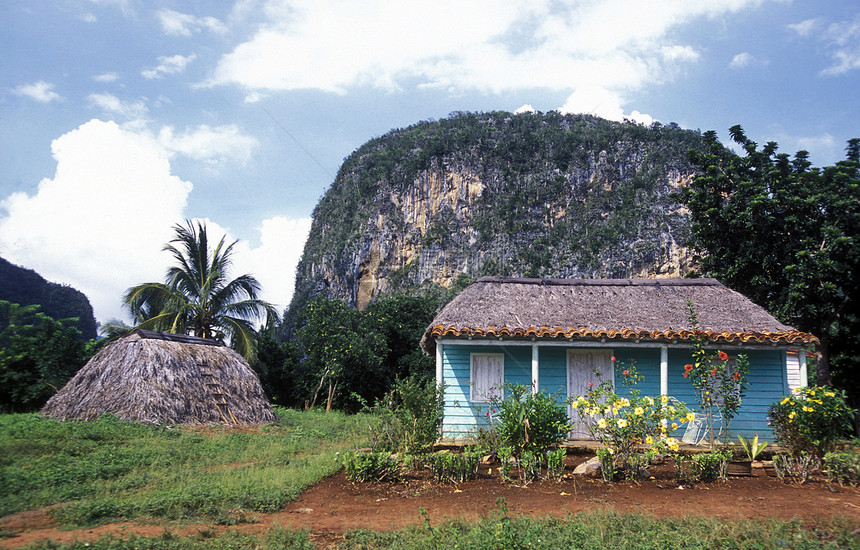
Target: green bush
x=811 y=419
x=374 y=467
x=843 y=467
x=412 y=415
x=530 y=421
x=455 y=467
x=709 y=466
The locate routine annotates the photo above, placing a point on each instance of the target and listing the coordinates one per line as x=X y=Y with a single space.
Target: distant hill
x=26 y=287
x=533 y=194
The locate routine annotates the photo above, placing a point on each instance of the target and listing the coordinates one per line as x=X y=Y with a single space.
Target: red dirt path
x=335 y=505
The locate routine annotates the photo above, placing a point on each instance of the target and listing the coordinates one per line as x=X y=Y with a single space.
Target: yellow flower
x=811 y=392
x=664 y=399
x=674 y=426
x=690 y=417
x=601 y=424
x=784 y=401
x=622 y=423
x=638 y=411
x=791 y=415
x=575 y=404
x=649 y=440
x=797 y=390
x=830 y=394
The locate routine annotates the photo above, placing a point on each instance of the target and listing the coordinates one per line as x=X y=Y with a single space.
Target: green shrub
x=374 y=467
x=530 y=421
x=843 y=467
x=412 y=415
x=709 y=466
x=555 y=463
x=811 y=420
x=454 y=467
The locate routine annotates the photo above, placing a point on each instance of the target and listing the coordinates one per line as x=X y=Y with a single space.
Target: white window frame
x=485 y=395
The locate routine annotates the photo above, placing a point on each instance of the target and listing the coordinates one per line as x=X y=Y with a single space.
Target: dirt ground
x=334 y=505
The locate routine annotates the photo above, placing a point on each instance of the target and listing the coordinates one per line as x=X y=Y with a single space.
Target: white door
x=585 y=367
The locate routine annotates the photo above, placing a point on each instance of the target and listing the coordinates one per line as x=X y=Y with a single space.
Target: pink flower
x=488 y=413
x=612 y=358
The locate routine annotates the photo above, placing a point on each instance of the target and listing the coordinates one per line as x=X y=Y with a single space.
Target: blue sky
x=121 y=118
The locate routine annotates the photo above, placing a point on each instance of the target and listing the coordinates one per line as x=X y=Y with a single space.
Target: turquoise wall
x=768 y=383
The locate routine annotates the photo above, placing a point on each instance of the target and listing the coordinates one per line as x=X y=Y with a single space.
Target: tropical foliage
x=198 y=297
x=785 y=234
x=622 y=423
x=38 y=355
x=811 y=420
x=718 y=383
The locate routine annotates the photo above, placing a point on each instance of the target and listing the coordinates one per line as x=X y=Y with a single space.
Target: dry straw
x=166 y=379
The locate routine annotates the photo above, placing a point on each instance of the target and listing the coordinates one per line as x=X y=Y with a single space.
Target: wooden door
x=585 y=367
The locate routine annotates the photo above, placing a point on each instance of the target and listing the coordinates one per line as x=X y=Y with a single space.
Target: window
x=487 y=375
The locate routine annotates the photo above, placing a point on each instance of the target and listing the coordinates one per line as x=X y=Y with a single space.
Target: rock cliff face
x=537 y=195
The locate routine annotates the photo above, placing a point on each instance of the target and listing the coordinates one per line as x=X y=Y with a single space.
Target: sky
x=121 y=118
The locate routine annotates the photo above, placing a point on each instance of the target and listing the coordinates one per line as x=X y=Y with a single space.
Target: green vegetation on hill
x=26 y=287
x=562 y=195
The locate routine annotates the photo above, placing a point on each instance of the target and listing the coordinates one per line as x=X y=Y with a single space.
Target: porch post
x=535 y=369
x=664 y=370
x=439 y=346
x=804 y=372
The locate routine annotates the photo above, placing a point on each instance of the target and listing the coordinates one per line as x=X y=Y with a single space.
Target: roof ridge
x=601 y=282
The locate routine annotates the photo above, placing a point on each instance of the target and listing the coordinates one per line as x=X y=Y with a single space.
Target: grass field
x=110 y=470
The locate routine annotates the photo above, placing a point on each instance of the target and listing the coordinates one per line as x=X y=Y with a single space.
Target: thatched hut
x=556 y=334
x=167 y=379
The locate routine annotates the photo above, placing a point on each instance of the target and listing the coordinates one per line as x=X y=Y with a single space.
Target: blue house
x=559 y=335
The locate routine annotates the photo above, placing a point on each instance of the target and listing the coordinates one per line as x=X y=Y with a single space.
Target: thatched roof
x=629 y=309
x=164 y=378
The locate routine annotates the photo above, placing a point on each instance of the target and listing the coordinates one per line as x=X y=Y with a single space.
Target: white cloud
x=182 y=24
x=113 y=105
x=40 y=91
x=842 y=39
x=174 y=64
x=805 y=28
x=207 y=143
x=525 y=109
x=741 y=60
x=100 y=222
x=106 y=77
x=603 y=103
x=487 y=45
x=274 y=262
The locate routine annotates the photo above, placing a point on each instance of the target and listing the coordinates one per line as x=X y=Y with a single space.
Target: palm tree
x=197 y=297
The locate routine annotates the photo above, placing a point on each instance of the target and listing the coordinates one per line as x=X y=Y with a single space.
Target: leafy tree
x=38 y=355
x=785 y=234
x=401 y=321
x=339 y=347
x=198 y=298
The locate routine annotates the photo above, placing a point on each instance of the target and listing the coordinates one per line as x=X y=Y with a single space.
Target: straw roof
x=628 y=309
x=164 y=378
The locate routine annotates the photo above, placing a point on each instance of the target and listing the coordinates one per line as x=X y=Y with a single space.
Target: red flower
x=685 y=373
x=591 y=384
x=488 y=413
x=688 y=367
x=736 y=375
x=723 y=356
x=612 y=358
x=714 y=372
x=626 y=372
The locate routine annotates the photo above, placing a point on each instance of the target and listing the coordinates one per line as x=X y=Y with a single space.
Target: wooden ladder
x=217 y=393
